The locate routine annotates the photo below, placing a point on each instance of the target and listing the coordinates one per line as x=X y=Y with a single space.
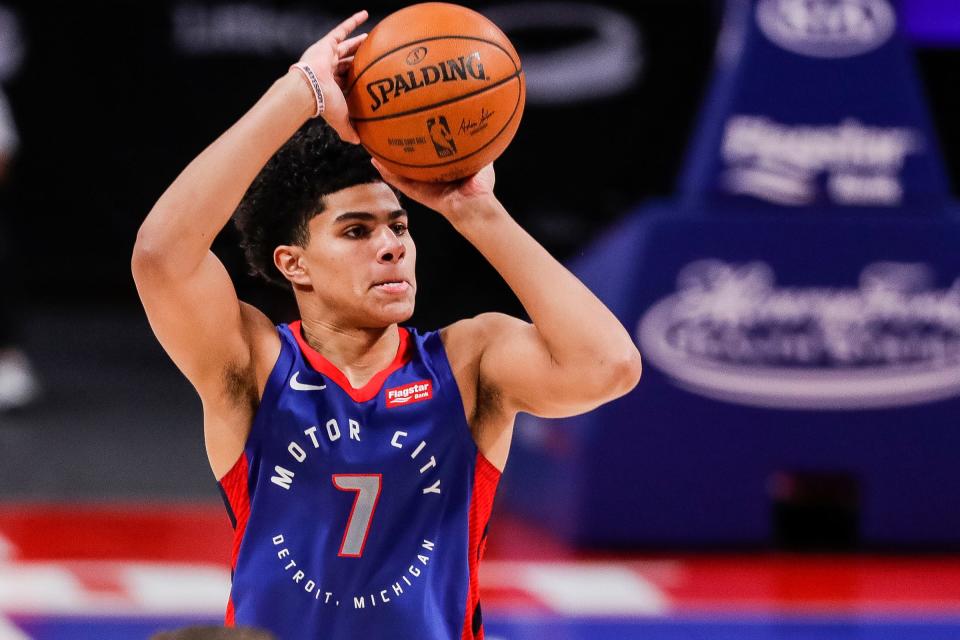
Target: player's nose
x=390 y=247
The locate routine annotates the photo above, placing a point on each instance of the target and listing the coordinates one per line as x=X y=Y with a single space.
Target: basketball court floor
x=111 y=528
x=125 y=571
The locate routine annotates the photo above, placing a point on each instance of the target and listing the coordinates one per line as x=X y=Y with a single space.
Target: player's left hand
x=330 y=59
x=450 y=199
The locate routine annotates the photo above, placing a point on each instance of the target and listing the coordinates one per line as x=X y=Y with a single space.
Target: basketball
x=436 y=92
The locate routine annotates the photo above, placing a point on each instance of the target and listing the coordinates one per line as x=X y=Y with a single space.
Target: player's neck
x=358 y=353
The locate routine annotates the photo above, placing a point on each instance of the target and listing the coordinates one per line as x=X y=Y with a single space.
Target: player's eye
x=356 y=232
x=399 y=228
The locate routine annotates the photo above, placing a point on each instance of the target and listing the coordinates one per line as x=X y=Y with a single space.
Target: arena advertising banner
x=815 y=105
x=731 y=331
x=873 y=326
x=797 y=308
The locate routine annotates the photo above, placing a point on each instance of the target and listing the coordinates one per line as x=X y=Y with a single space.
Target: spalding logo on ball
x=436 y=92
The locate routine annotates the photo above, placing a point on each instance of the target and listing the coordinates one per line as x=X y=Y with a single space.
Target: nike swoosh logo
x=296 y=385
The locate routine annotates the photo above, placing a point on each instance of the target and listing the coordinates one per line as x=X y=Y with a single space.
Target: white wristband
x=314 y=84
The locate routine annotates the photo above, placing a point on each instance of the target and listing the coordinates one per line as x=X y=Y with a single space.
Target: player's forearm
x=183 y=223
x=576 y=326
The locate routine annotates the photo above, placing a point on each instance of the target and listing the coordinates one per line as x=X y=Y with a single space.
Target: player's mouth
x=392 y=286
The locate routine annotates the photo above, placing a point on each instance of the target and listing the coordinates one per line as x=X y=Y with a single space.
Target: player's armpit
x=208 y=333
x=517 y=362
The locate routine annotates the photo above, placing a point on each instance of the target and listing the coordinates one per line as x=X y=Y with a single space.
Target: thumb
x=419 y=191
x=346 y=131
x=397 y=181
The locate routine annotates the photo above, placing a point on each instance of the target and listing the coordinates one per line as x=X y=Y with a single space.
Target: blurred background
x=760 y=189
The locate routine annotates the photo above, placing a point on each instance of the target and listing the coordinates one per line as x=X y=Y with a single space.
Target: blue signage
x=815 y=105
x=798 y=308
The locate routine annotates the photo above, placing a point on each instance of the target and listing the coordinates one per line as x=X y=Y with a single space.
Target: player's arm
x=188 y=295
x=575 y=355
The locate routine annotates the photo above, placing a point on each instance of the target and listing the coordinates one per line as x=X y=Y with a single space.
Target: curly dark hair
x=289 y=191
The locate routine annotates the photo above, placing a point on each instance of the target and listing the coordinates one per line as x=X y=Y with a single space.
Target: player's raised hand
x=329 y=59
x=450 y=199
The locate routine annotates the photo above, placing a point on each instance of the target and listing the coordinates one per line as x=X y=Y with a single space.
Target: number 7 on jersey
x=367 y=488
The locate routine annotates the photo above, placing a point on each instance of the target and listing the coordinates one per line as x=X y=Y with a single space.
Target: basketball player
x=358 y=459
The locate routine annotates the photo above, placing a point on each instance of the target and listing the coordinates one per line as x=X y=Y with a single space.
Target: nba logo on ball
x=436 y=92
x=440 y=135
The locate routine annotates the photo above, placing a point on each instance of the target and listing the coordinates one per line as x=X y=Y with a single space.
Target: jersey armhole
x=440 y=364
x=275 y=381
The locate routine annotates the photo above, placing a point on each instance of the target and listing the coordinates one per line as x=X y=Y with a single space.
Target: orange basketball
x=436 y=92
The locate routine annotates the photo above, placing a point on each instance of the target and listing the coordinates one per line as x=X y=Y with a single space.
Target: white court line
x=144 y=588
x=167 y=588
x=580 y=588
x=596 y=590
x=33 y=587
x=51 y=588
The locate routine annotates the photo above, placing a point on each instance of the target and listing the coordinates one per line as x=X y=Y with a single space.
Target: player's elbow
x=609 y=378
x=623 y=371
x=146 y=256
x=151 y=259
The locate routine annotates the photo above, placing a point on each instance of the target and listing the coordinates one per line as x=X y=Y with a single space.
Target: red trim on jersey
x=368 y=391
x=485 y=479
x=235 y=486
x=229 y=620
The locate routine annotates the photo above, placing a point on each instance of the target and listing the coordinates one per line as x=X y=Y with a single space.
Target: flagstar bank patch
x=409 y=393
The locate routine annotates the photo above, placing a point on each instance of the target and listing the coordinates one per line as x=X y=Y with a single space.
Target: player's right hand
x=452 y=200
x=330 y=58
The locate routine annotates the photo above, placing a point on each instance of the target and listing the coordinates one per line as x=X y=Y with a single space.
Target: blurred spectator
x=18 y=384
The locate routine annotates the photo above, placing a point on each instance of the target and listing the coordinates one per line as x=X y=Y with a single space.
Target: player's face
x=361 y=256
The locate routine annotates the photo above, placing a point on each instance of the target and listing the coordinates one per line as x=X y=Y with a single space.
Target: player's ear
x=289 y=260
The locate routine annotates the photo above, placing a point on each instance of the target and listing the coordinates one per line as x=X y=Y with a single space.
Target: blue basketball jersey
x=359 y=513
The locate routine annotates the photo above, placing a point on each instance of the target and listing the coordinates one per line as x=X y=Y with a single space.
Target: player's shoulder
x=261 y=333
x=465 y=340
x=485 y=324
x=256 y=324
